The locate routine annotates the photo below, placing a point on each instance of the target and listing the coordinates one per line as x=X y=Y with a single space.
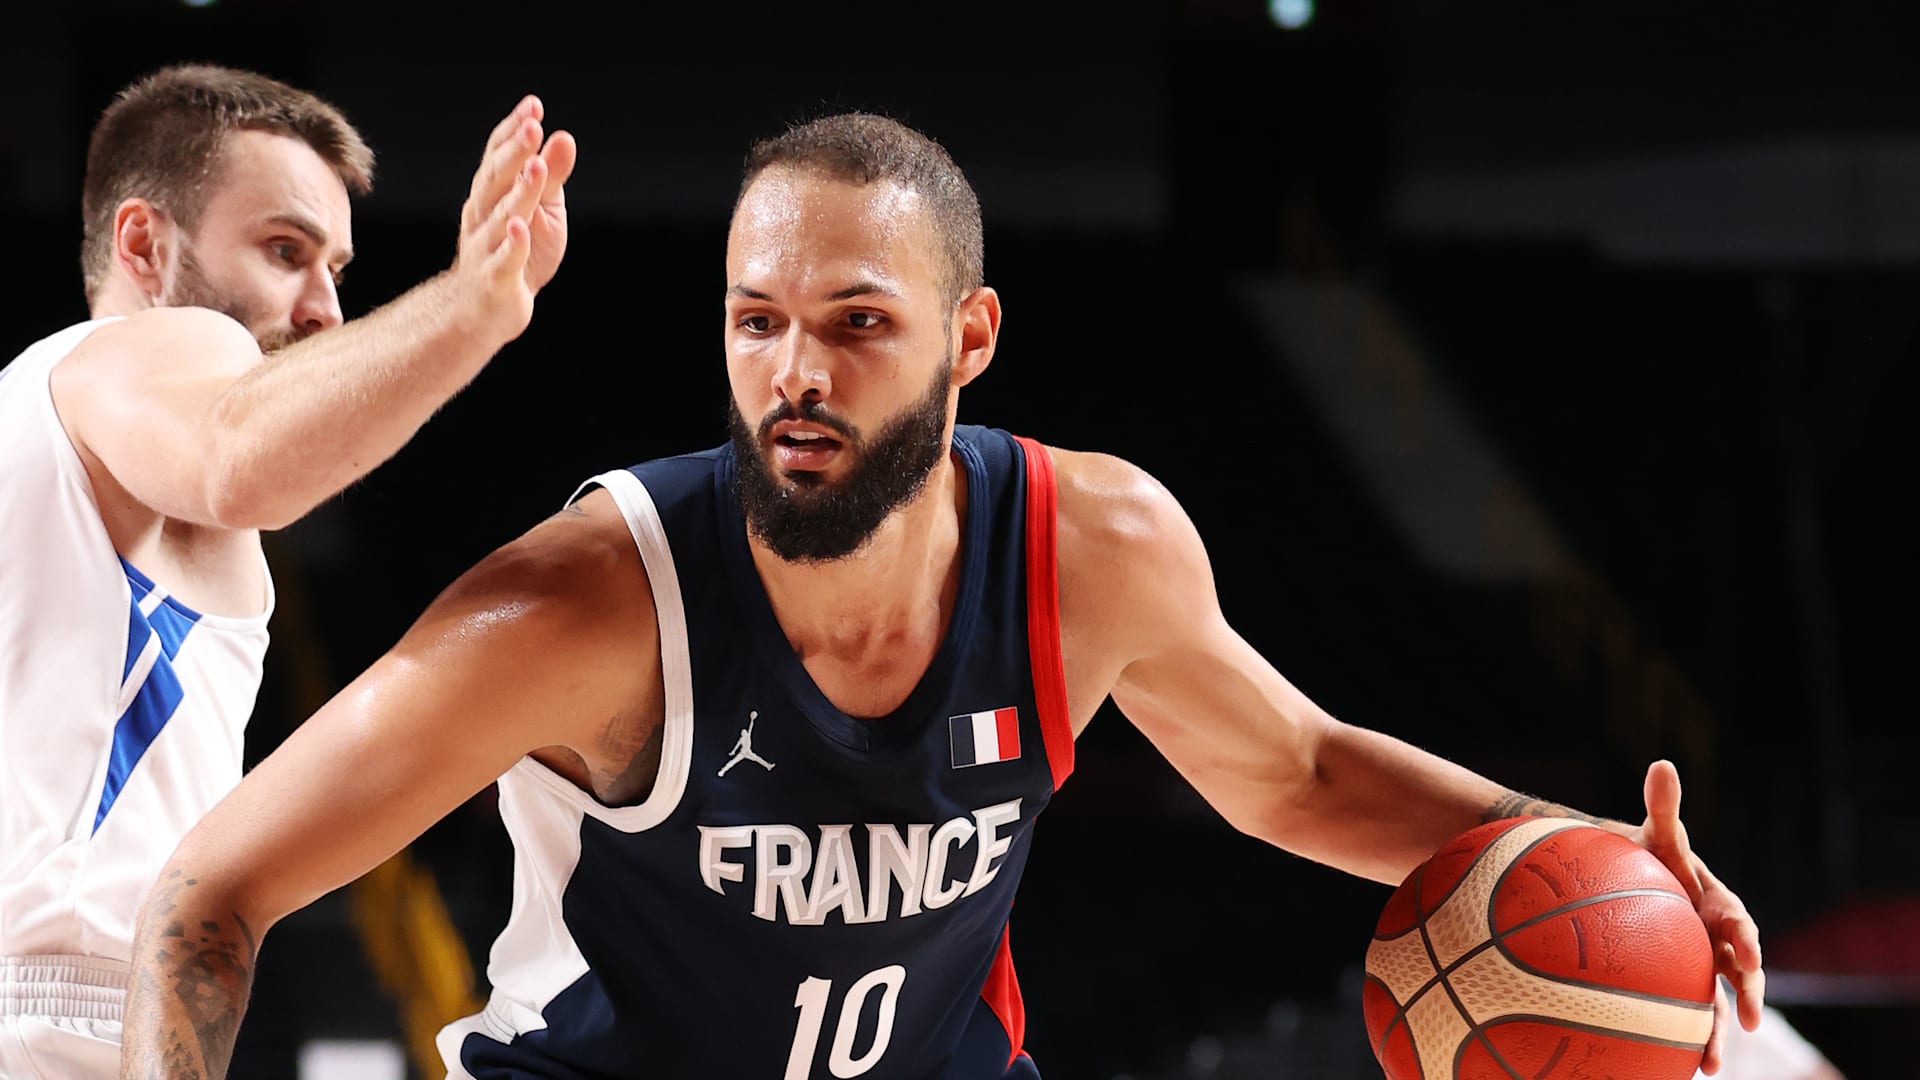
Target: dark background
x=1655 y=269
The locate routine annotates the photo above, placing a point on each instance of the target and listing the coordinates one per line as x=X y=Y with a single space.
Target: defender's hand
x=513 y=228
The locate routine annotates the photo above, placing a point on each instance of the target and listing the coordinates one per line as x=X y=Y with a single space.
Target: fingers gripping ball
x=1542 y=948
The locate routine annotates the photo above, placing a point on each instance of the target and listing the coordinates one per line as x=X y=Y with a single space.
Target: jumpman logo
x=743 y=749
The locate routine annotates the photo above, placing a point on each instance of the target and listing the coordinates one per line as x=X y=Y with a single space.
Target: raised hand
x=1736 y=940
x=548 y=222
x=513 y=227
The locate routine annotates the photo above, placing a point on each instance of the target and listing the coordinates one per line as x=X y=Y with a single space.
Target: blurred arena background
x=1538 y=374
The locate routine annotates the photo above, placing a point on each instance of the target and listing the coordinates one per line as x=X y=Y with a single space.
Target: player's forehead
x=269 y=181
x=806 y=232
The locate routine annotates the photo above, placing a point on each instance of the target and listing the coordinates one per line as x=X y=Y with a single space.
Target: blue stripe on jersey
x=173 y=623
x=138 y=631
x=140 y=583
x=960 y=730
x=172 y=620
x=152 y=707
x=158 y=697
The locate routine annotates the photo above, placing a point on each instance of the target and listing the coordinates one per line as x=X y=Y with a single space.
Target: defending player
x=213 y=393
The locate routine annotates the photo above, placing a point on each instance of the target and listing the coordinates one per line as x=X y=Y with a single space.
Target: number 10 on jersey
x=812 y=998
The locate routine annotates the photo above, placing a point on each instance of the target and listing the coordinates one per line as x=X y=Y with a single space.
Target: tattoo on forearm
x=194 y=977
x=177 y=1062
x=1517 y=804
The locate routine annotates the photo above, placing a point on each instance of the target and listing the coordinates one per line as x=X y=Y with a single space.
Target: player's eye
x=755 y=324
x=864 y=320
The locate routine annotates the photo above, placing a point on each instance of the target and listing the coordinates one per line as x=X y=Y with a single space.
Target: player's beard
x=193 y=288
x=804 y=518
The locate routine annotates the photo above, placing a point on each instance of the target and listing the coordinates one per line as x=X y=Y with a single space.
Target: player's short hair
x=163 y=140
x=861 y=148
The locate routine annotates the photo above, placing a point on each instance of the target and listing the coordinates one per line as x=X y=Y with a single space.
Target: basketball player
x=905 y=621
x=213 y=393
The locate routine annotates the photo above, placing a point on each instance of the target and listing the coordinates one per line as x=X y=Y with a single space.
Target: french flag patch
x=983 y=738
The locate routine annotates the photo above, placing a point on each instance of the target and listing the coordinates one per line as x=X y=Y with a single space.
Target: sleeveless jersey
x=802 y=894
x=121 y=709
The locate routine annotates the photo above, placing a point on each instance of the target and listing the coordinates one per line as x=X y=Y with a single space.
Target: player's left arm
x=1143 y=619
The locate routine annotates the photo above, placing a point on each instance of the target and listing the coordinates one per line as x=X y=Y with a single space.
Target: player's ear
x=142 y=239
x=977 y=328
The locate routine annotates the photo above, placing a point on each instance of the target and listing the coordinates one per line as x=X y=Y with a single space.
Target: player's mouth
x=803 y=448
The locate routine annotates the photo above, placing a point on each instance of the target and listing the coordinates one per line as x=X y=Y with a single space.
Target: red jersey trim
x=1002 y=995
x=1043 y=612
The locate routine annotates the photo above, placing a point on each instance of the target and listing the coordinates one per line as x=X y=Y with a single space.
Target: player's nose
x=802 y=370
x=319 y=305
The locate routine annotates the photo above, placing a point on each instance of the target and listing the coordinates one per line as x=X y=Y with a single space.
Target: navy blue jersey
x=804 y=893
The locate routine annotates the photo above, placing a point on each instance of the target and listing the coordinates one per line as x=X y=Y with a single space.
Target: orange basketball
x=1543 y=948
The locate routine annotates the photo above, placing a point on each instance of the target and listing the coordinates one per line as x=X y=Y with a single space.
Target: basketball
x=1544 y=948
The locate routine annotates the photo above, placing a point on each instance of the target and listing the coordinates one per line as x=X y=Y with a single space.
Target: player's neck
x=117 y=297
x=886 y=590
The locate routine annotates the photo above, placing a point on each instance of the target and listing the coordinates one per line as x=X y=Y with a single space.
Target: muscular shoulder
x=165 y=341
x=1115 y=517
x=575 y=581
x=1129 y=556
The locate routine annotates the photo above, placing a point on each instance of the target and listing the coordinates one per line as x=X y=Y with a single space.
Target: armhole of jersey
x=676 y=666
x=68 y=454
x=1043 y=611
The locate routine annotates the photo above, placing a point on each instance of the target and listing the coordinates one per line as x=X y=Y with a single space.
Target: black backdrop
x=1712 y=433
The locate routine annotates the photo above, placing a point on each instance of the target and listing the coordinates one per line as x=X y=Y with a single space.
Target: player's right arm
x=534 y=647
x=180 y=409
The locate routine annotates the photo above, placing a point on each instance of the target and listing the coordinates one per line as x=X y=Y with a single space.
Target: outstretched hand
x=548 y=221
x=513 y=227
x=1735 y=938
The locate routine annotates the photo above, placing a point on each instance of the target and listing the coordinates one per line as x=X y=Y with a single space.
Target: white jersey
x=121 y=709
